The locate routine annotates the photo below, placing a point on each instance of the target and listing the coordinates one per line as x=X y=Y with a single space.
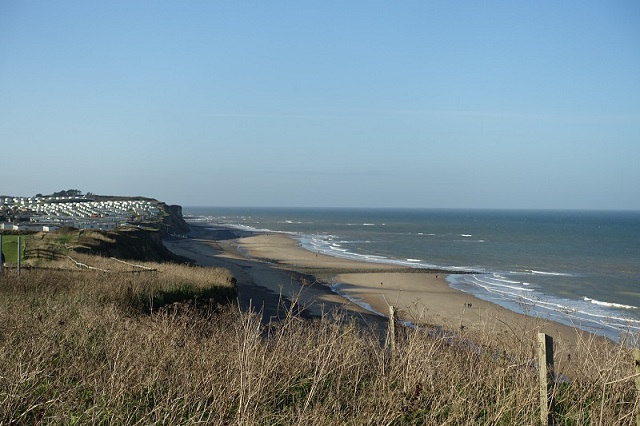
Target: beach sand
x=270 y=266
x=418 y=297
x=263 y=287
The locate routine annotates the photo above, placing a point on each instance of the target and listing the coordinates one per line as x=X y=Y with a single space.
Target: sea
x=580 y=268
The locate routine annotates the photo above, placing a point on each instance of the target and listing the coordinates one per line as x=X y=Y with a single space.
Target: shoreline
x=421 y=297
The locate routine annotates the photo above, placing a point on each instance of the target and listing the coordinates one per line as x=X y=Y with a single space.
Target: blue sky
x=354 y=104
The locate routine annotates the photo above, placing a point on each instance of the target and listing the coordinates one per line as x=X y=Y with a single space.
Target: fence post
x=636 y=357
x=391 y=332
x=19 y=246
x=545 y=365
x=2 y=256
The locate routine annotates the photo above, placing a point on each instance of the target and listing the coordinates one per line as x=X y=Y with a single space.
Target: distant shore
x=263 y=262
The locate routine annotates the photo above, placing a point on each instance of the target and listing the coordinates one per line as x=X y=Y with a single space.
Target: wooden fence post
x=19 y=246
x=545 y=366
x=636 y=357
x=391 y=333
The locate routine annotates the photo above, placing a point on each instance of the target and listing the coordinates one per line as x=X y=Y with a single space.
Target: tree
x=67 y=193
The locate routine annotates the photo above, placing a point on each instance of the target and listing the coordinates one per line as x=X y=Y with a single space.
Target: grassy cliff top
x=135 y=243
x=147 y=343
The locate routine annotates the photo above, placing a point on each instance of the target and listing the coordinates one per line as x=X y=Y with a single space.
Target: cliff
x=173 y=222
x=132 y=244
x=143 y=242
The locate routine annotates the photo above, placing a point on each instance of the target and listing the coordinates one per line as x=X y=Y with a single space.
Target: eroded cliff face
x=143 y=242
x=132 y=244
x=173 y=222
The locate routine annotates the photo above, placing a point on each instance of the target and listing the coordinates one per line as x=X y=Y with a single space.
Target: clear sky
x=487 y=104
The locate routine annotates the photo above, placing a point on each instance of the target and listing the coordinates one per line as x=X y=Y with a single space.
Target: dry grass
x=83 y=348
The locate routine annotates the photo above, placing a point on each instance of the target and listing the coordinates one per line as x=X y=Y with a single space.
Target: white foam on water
x=609 y=304
x=555 y=274
x=503 y=279
x=495 y=285
x=590 y=313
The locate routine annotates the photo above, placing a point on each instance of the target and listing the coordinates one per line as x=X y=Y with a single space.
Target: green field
x=10 y=247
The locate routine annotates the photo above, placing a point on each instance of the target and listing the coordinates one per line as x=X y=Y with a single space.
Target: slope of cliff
x=130 y=243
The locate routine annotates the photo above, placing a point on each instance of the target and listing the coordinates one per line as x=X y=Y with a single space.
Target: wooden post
x=636 y=357
x=391 y=333
x=1 y=251
x=19 y=246
x=545 y=366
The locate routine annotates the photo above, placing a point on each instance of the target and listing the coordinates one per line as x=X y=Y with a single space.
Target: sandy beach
x=262 y=286
x=270 y=267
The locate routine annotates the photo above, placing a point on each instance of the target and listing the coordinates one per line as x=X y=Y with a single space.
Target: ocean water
x=580 y=268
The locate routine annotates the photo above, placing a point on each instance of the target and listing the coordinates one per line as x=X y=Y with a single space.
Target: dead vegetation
x=151 y=343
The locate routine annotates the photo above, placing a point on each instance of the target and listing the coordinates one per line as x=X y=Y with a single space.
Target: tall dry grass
x=77 y=348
